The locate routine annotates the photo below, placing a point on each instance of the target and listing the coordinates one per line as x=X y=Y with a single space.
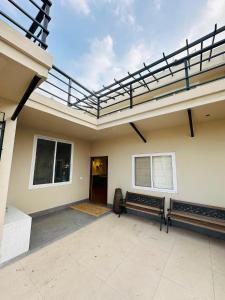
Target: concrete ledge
x=54 y=209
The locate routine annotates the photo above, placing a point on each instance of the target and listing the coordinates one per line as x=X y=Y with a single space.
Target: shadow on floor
x=48 y=228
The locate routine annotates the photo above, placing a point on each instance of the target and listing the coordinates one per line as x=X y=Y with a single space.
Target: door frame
x=91 y=177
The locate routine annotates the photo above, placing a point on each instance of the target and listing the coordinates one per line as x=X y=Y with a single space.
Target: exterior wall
x=34 y=200
x=6 y=158
x=200 y=161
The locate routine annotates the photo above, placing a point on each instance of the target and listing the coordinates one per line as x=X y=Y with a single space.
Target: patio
x=126 y=258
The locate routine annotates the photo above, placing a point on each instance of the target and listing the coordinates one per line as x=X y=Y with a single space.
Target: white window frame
x=172 y=154
x=31 y=180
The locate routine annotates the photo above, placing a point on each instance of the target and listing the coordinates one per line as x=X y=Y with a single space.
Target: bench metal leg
x=164 y=217
x=169 y=223
x=161 y=221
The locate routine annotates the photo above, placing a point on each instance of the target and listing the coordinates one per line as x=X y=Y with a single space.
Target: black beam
x=69 y=92
x=186 y=75
x=98 y=109
x=2 y=131
x=45 y=24
x=213 y=39
x=117 y=93
x=38 y=19
x=164 y=56
x=188 y=52
x=138 y=132
x=122 y=87
x=150 y=72
x=38 y=24
x=142 y=83
x=23 y=28
x=131 y=96
x=201 y=57
x=190 y=122
x=25 y=97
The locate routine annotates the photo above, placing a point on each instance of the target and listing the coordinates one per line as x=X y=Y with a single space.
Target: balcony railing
x=66 y=90
x=195 y=64
x=33 y=19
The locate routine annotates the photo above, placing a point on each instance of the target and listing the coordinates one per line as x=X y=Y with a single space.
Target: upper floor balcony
x=195 y=70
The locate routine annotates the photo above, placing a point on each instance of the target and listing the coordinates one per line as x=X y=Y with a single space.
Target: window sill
x=174 y=191
x=48 y=185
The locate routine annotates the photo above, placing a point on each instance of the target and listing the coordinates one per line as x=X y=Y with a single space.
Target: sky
x=96 y=41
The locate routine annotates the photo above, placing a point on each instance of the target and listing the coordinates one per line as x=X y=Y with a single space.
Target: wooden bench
x=205 y=216
x=145 y=203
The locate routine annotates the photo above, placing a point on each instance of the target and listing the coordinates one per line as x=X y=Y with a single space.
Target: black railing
x=66 y=90
x=36 y=16
x=197 y=63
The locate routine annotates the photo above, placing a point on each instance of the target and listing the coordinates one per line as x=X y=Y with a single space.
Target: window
x=51 y=162
x=156 y=172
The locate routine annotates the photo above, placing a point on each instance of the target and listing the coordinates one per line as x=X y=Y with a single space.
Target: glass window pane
x=63 y=161
x=43 y=170
x=142 y=171
x=162 y=171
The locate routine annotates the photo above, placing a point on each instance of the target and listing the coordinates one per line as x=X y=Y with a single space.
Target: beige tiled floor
x=126 y=258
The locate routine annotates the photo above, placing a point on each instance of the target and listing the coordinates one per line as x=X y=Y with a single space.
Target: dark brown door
x=99 y=179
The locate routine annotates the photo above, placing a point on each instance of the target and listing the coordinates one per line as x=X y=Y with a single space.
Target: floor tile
x=169 y=290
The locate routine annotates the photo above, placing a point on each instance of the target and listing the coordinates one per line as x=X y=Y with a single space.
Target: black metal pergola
x=195 y=64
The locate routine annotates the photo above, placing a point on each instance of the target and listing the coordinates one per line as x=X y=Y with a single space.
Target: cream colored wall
x=6 y=157
x=33 y=200
x=200 y=161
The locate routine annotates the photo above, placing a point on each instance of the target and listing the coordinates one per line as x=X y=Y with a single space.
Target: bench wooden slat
x=200 y=223
x=142 y=206
x=145 y=203
x=198 y=217
x=207 y=216
x=147 y=210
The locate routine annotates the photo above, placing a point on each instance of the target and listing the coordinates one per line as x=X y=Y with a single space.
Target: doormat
x=91 y=209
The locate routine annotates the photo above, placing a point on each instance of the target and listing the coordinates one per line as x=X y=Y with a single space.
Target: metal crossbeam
x=201 y=56
x=188 y=53
x=213 y=39
x=142 y=82
x=25 y=97
x=122 y=87
x=138 y=132
x=150 y=72
x=190 y=123
x=164 y=56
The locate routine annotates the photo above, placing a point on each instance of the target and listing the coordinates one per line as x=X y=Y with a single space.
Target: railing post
x=69 y=92
x=131 y=96
x=98 y=108
x=45 y=24
x=186 y=75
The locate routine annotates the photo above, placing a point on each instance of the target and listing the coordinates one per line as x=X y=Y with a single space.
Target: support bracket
x=190 y=122
x=138 y=132
x=25 y=97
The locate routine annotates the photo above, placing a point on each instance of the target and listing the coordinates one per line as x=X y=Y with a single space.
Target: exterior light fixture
x=2 y=129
